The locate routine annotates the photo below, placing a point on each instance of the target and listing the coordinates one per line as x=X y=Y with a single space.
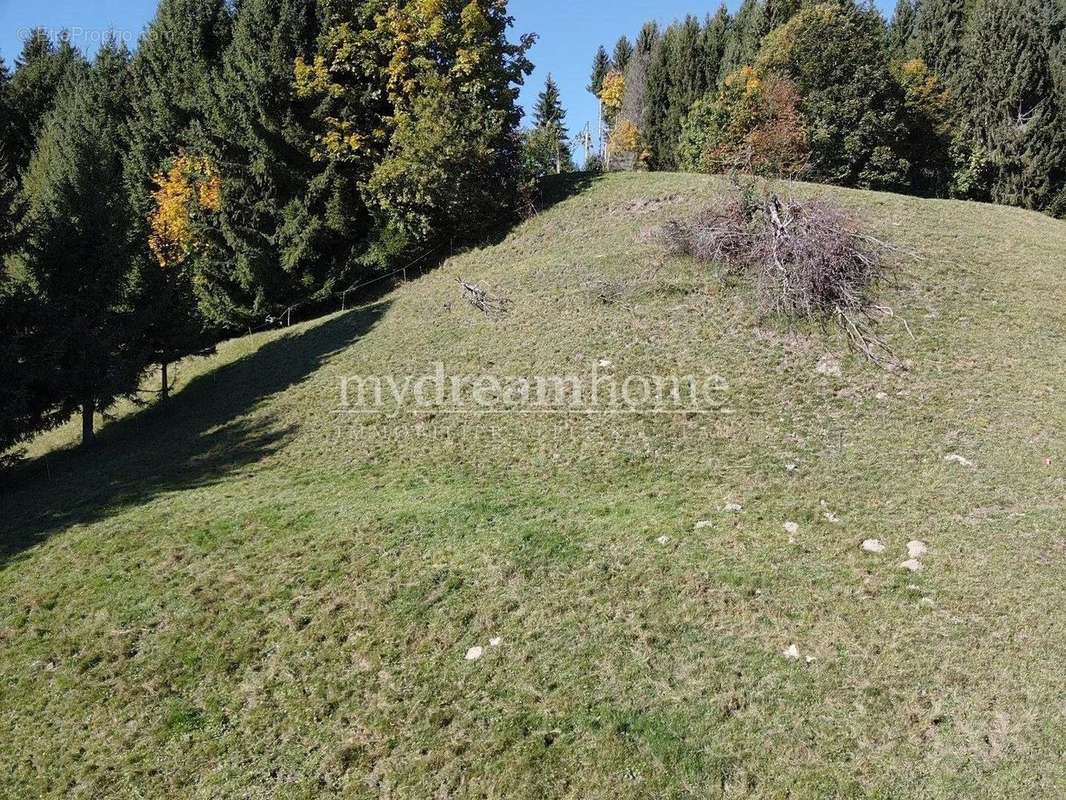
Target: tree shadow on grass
x=196 y=439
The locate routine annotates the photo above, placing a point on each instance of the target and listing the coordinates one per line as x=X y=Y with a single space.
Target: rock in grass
x=792 y=528
x=829 y=365
x=733 y=508
x=916 y=549
x=663 y=540
x=873 y=546
x=703 y=523
x=474 y=653
x=912 y=564
x=495 y=642
x=955 y=458
x=792 y=653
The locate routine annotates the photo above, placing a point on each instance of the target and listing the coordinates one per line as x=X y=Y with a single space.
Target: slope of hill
x=249 y=595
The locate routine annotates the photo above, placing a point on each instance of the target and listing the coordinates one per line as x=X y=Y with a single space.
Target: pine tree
x=623 y=51
x=41 y=70
x=902 y=30
x=1014 y=113
x=940 y=29
x=178 y=57
x=601 y=65
x=549 y=119
x=77 y=256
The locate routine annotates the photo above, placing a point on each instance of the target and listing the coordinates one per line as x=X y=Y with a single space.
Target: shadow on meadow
x=197 y=439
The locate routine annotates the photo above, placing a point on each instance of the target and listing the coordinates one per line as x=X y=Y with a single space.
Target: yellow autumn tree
x=612 y=94
x=185 y=191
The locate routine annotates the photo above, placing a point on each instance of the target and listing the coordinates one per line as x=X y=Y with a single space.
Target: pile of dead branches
x=807 y=259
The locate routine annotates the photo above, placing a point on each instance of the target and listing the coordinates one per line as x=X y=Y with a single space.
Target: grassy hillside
x=246 y=595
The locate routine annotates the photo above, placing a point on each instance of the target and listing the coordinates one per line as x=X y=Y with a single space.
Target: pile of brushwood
x=808 y=260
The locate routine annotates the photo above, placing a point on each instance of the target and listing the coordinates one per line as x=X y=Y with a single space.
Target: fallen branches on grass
x=483 y=301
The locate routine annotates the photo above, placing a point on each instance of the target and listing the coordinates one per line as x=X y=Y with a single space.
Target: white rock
x=873 y=546
x=703 y=523
x=831 y=517
x=495 y=642
x=792 y=654
x=882 y=396
x=829 y=365
x=913 y=564
x=604 y=362
x=955 y=458
x=810 y=659
x=791 y=467
x=733 y=508
x=791 y=528
x=663 y=540
x=916 y=549
x=474 y=653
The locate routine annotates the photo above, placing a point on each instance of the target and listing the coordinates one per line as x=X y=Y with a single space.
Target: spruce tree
x=77 y=254
x=178 y=57
x=549 y=119
x=623 y=51
x=745 y=34
x=261 y=147
x=902 y=30
x=715 y=40
x=601 y=65
x=41 y=70
x=677 y=78
x=1014 y=113
x=940 y=29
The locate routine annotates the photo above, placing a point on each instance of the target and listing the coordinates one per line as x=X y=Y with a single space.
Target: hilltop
x=246 y=594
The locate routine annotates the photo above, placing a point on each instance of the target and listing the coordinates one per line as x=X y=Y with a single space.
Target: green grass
x=242 y=596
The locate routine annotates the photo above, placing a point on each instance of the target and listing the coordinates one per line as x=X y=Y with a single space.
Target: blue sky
x=569 y=33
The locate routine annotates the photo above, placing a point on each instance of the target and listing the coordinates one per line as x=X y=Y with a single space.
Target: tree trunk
x=88 y=436
x=164 y=391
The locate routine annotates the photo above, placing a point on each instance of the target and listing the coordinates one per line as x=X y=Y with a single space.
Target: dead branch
x=483 y=301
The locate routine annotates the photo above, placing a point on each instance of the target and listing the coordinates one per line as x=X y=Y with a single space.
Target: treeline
x=246 y=159
x=949 y=98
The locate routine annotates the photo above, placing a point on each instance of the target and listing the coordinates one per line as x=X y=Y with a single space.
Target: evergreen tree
x=902 y=30
x=677 y=78
x=8 y=174
x=745 y=35
x=41 y=70
x=715 y=40
x=940 y=29
x=549 y=120
x=178 y=56
x=601 y=65
x=1014 y=115
x=258 y=141
x=647 y=38
x=623 y=51
x=835 y=54
x=77 y=256
x=777 y=12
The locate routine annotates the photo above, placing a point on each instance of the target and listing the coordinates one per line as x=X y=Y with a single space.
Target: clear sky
x=569 y=33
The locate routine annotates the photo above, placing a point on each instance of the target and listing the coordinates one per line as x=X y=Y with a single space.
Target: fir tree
x=78 y=251
x=262 y=149
x=178 y=56
x=623 y=51
x=902 y=30
x=676 y=79
x=41 y=70
x=1014 y=114
x=713 y=45
x=745 y=34
x=549 y=120
x=601 y=65
x=940 y=29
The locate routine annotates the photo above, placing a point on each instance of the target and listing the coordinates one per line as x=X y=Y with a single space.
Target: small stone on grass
x=474 y=653
x=873 y=546
x=912 y=564
x=916 y=549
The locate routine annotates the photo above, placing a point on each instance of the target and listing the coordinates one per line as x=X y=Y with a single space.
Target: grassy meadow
x=245 y=594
